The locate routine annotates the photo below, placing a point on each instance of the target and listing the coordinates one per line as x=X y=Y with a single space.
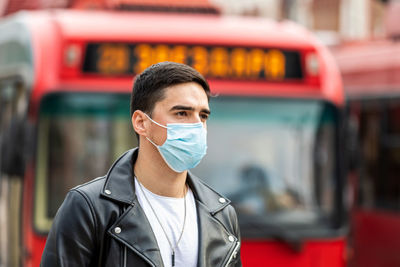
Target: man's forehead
x=188 y=94
x=184 y=87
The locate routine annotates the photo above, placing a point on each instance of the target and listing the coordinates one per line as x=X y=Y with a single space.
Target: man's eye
x=181 y=113
x=204 y=116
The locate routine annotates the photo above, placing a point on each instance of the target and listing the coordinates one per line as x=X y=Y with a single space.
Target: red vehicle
x=371 y=76
x=273 y=138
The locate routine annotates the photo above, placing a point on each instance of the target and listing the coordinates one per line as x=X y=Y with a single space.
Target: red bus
x=274 y=135
x=371 y=76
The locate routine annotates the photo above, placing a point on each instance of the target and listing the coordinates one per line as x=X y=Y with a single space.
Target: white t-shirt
x=170 y=211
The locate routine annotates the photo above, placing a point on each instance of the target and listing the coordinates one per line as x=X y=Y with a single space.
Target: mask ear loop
x=152 y=142
x=155 y=121
x=156 y=124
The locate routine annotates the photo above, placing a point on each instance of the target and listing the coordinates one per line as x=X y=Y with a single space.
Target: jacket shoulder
x=92 y=188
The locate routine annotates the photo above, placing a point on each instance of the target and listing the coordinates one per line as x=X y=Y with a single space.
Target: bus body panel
x=381 y=232
x=318 y=253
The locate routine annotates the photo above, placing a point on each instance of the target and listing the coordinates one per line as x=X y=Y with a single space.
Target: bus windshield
x=274 y=158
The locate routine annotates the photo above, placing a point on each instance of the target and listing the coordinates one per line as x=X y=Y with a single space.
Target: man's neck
x=154 y=174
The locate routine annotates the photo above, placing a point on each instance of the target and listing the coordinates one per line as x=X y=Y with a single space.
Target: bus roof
x=370 y=68
x=109 y=25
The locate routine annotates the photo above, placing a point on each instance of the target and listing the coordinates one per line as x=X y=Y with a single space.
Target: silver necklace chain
x=173 y=248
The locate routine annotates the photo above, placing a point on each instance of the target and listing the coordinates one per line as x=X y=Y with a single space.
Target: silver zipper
x=124 y=256
x=233 y=254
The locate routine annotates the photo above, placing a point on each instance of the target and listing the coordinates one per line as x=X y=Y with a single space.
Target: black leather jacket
x=102 y=224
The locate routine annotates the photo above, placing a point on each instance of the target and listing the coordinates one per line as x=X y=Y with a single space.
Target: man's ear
x=139 y=122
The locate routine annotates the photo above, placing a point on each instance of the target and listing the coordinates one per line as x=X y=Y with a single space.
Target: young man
x=148 y=210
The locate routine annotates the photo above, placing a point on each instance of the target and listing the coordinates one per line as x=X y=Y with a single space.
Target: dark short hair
x=148 y=87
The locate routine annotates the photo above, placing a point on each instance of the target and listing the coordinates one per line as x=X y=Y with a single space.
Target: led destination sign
x=118 y=59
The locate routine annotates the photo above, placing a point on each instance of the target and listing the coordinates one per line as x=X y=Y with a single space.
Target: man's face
x=182 y=103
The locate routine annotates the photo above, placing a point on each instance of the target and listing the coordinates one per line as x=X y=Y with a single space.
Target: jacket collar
x=120 y=186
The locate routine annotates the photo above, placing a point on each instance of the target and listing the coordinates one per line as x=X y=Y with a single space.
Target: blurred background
x=305 y=132
x=334 y=21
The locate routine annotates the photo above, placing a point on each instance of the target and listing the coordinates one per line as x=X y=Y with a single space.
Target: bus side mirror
x=13 y=149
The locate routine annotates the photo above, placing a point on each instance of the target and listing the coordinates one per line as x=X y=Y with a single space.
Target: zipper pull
x=173 y=258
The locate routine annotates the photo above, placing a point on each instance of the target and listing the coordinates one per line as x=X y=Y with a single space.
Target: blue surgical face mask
x=185 y=146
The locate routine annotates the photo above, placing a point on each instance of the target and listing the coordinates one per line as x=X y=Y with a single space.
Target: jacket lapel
x=216 y=243
x=135 y=232
x=212 y=233
x=132 y=227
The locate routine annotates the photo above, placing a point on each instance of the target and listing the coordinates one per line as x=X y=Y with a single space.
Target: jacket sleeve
x=71 y=241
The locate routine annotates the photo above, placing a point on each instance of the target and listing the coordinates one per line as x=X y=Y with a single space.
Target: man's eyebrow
x=181 y=107
x=207 y=111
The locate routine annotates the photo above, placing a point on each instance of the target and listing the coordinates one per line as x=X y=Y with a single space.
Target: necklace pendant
x=173 y=258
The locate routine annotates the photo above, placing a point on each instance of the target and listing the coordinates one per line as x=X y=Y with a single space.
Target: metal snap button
x=222 y=200
x=108 y=192
x=117 y=230
x=231 y=238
